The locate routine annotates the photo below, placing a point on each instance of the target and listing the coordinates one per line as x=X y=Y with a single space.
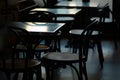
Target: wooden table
x=76 y=4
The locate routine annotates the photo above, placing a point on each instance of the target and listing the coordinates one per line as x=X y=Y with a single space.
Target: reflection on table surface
x=59 y=11
x=77 y=4
x=38 y=27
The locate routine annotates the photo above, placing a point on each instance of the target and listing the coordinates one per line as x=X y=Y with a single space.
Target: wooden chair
x=81 y=20
x=45 y=16
x=54 y=60
x=12 y=61
x=95 y=38
x=107 y=22
x=51 y=40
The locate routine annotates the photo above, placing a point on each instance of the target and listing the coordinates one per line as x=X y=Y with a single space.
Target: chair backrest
x=9 y=54
x=107 y=20
x=41 y=16
x=89 y=28
x=47 y=16
x=45 y=2
x=81 y=19
x=84 y=38
x=104 y=12
x=86 y=34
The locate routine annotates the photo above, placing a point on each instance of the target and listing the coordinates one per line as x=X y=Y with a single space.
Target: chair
x=12 y=61
x=95 y=38
x=48 y=3
x=45 y=16
x=107 y=22
x=55 y=60
x=81 y=20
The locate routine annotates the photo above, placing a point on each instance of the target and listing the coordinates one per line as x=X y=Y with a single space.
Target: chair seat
x=107 y=20
x=64 y=19
x=62 y=57
x=20 y=64
x=79 y=31
x=21 y=47
x=41 y=47
x=38 y=47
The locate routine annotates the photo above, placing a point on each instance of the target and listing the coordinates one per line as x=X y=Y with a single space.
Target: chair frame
x=16 y=65
x=51 y=63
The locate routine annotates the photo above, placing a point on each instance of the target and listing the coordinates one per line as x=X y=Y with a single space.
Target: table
x=39 y=27
x=59 y=11
x=76 y=4
x=63 y=14
x=41 y=30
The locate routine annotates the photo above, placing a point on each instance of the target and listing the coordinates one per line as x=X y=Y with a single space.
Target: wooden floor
x=111 y=70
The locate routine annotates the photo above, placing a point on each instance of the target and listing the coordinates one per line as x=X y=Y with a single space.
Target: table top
x=38 y=27
x=59 y=11
x=76 y=4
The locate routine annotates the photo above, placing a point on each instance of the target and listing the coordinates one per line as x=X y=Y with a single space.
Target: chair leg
x=85 y=71
x=8 y=75
x=25 y=76
x=57 y=45
x=52 y=74
x=16 y=76
x=115 y=42
x=75 y=46
x=76 y=71
x=115 y=35
x=101 y=58
x=39 y=73
x=30 y=75
x=47 y=73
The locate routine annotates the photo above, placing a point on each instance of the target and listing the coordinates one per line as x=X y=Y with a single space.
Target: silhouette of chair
x=107 y=24
x=55 y=60
x=12 y=61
